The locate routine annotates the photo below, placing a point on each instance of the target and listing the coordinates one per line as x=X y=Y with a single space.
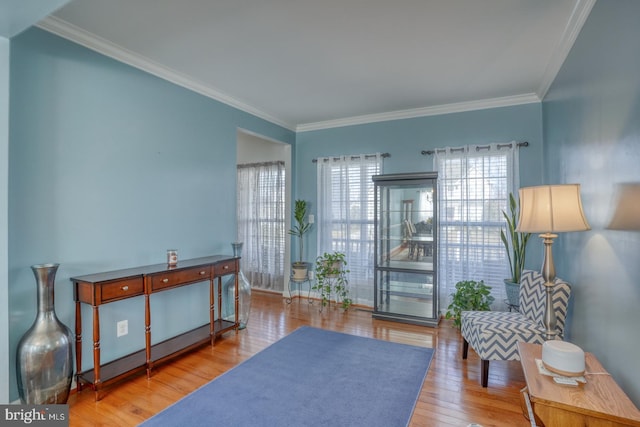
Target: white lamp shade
x=627 y=214
x=551 y=209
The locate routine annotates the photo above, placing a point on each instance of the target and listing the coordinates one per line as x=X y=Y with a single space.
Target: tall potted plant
x=515 y=243
x=302 y=226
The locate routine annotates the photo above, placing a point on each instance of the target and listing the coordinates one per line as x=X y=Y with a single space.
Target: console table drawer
x=226 y=267
x=180 y=277
x=121 y=289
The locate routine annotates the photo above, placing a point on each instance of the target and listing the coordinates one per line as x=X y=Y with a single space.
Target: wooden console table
x=599 y=402
x=103 y=288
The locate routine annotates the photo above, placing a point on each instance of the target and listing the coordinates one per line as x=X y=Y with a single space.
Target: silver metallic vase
x=44 y=361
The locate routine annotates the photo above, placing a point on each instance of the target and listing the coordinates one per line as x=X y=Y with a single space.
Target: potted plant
x=515 y=243
x=331 y=279
x=300 y=267
x=469 y=295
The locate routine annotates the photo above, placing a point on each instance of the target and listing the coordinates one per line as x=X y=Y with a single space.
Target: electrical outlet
x=312 y=219
x=122 y=328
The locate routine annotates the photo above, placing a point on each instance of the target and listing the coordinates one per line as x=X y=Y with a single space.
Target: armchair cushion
x=494 y=334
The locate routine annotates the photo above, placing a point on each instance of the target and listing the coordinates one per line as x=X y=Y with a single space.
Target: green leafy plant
x=515 y=242
x=469 y=295
x=331 y=279
x=302 y=226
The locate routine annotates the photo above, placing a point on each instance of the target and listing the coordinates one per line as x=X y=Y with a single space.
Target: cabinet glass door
x=405 y=293
x=405 y=237
x=405 y=259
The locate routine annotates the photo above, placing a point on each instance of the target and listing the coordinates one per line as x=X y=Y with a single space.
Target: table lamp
x=550 y=209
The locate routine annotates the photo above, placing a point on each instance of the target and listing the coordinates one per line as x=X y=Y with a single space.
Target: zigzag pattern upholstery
x=494 y=334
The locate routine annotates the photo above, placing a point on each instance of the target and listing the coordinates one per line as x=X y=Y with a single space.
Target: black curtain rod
x=478 y=148
x=355 y=157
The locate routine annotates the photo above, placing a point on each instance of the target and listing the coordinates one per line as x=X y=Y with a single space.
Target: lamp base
x=550 y=320
x=549 y=275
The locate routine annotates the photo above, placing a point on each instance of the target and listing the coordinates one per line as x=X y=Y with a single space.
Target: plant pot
x=335 y=266
x=513 y=292
x=300 y=270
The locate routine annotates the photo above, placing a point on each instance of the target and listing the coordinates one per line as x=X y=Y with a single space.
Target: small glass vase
x=244 y=293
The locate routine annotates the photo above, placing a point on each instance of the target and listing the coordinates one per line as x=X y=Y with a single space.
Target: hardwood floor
x=451 y=394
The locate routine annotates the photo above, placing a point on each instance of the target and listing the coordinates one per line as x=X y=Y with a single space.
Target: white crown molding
x=578 y=17
x=77 y=35
x=91 y=41
x=458 y=107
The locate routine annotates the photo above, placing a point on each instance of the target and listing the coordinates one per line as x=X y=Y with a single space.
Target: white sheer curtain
x=474 y=183
x=261 y=226
x=346 y=217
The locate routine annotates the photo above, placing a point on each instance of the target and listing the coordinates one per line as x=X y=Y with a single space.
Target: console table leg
x=147 y=333
x=96 y=351
x=98 y=393
x=78 y=345
x=212 y=315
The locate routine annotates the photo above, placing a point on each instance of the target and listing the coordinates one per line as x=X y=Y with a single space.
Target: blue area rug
x=312 y=377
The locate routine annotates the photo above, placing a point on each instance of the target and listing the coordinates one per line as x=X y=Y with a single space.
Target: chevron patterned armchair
x=494 y=334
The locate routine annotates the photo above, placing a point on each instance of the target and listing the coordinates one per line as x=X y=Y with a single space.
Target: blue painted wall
x=405 y=139
x=591 y=119
x=108 y=167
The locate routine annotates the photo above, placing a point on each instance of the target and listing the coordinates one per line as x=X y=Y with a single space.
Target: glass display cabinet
x=406 y=248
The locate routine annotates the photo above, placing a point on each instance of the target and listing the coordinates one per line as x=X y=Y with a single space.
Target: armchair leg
x=485 y=373
x=465 y=348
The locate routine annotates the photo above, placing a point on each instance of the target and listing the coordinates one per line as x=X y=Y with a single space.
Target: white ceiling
x=308 y=64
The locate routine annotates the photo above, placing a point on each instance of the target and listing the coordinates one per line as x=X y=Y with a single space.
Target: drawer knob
x=165 y=280
x=125 y=288
x=202 y=273
x=226 y=267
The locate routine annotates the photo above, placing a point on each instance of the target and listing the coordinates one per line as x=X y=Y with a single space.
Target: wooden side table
x=600 y=402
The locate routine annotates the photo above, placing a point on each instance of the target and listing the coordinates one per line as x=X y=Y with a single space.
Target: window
x=261 y=226
x=474 y=183
x=346 y=217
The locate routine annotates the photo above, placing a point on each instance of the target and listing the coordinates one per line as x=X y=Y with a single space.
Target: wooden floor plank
x=451 y=394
